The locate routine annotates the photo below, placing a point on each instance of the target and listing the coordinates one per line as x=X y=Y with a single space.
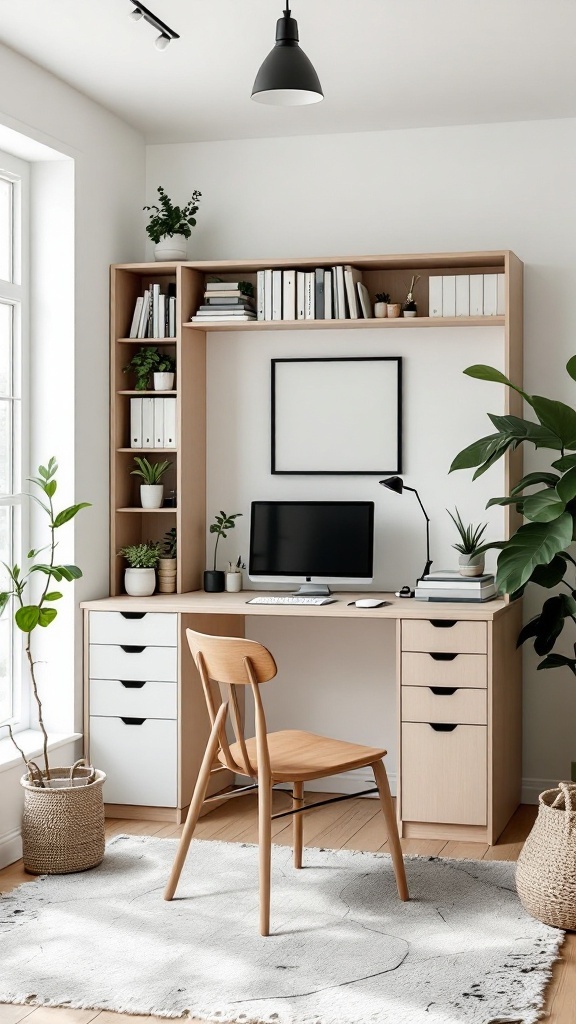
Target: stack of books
x=155 y=313
x=449 y=585
x=325 y=293
x=226 y=302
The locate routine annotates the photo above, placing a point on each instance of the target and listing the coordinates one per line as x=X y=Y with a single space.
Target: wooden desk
x=459 y=703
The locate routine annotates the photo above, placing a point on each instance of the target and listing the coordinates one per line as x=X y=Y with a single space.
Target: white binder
x=462 y=294
x=501 y=289
x=148 y=422
x=435 y=296
x=490 y=294
x=170 y=438
x=276 y=294
x=158 y=422
x=289 y=295
x=135 y=422
x=449 y=295
x=476 y=294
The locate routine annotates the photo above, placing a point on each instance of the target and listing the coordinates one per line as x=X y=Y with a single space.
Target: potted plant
x=471 y=558
x=410 y=308
x=148 y=362
x=234 y=576
x=381 y=304
x=63 y=819
x=140 y=576
x=151 y=491
x=170 y=226
x=214 y=578
x=167 y=563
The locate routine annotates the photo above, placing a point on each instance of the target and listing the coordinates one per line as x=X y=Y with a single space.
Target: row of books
x=226 y=301
x=449 y=585
x=153 y=423
x=467 y=295
x=333 y=293
x=155 y=313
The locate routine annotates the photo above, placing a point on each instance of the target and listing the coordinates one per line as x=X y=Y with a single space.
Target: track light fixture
x=287 y=78
x=167 y=34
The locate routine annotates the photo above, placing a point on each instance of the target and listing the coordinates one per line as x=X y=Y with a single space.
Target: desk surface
x=199 y=602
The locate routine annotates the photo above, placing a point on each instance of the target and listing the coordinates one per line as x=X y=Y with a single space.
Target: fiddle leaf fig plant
x=541 y=550
x=220 y=527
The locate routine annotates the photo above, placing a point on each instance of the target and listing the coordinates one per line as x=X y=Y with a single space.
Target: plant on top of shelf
x=140 y=576
x=471 y=559
x=213 y=578
x=168 y=222
x=151 y=490
x=147 y=361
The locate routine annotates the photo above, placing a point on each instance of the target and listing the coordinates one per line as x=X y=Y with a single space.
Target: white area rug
x=344 y=950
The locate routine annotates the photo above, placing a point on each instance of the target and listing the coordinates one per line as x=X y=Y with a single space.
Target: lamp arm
x=428 y=565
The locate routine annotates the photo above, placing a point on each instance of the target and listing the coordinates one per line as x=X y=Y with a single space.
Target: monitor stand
x=313 y=590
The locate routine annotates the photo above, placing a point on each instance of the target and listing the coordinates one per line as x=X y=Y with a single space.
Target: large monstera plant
x=539 y=551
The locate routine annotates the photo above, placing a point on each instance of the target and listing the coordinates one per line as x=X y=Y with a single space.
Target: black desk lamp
x=396 y=484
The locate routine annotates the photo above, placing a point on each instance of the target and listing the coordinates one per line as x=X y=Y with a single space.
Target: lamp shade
x=287 y=78
x=394 y=483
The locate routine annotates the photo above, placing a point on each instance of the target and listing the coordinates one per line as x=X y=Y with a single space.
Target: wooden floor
x=353 y=825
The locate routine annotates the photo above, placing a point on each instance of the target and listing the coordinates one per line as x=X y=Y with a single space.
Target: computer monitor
x=313 y=543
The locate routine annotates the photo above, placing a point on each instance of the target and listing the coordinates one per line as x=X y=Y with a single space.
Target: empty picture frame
x=337 y=415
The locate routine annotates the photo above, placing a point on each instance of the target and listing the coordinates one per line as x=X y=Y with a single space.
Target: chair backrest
x=229 y=662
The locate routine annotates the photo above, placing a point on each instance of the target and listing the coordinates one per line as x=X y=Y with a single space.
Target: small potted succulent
x=381 y=304
x=148 y=362
x=151 y=490
x=214 y=578
x=234 y=576
x=140 y=576
x=410 y=308
x=167 y=564
x=170 y=226
x=471 y=560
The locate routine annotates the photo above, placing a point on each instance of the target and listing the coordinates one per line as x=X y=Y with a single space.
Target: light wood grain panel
x=513 y=368
x=191 y=418
x=505 y=718
x=420 y=704
x=422 y=669
x=447 y=831
x=444 y=774
x=438 y=635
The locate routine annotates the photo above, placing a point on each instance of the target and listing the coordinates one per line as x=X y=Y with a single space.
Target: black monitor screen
x=312 y=538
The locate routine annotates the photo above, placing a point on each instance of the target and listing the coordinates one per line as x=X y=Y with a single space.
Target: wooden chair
x=287 y=756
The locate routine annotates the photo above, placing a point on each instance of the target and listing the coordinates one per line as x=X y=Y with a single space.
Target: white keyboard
x=291 y=599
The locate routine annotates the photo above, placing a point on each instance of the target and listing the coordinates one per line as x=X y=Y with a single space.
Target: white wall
x=506 y=186
x=102 y=225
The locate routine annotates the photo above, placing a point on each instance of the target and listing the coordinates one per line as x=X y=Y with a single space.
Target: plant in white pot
x=140 y=576
x=151 y=490
x=471 y=558
x=148 y=362
x=170 y=226
x=63 y=818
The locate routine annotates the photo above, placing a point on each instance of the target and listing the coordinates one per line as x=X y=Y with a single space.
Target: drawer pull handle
x=133 y=684
x=443 y=691
x=133 y=648
x=442 y=726
x=442 y=656
x=442 y=623
x=132 y=615
x=133 y=721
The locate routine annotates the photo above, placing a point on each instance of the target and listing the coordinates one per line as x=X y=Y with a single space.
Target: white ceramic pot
x=163 y=381
x=172 y=248
x=140 y=582
x=151 y=495
x=380 y=309
x=233 y=582
x=471 y=565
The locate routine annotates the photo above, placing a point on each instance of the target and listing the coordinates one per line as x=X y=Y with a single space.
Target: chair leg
x=297 y=822
x=265 y=850
x=390 y=818
x=195 y=804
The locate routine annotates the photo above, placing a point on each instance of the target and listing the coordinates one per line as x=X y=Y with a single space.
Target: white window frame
x=16 y=292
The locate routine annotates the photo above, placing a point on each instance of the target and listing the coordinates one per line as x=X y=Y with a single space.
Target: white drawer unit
x=133 y=698
x=133 y=661
x=154 y=629
x=140 y=758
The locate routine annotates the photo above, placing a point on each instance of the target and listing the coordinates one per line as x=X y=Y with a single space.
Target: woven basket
x=63 y=828
x=546 y=869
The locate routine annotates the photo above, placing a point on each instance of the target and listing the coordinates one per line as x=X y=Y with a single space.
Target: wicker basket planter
x=63 y=823
x=546 y=869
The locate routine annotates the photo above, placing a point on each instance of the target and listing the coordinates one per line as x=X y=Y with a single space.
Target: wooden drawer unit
x=444 y=669
x=133 y=661
x=444 y=704
x=140 y=758
x=444 y=774
x=451 y=636
x=155 y=629
x=133 y=698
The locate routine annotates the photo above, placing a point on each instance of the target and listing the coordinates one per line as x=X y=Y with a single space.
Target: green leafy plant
x=151 y=472
x=470 y=536
x=172 y=220
x=382 y=297
x=539 y=550
x=169 y=544
x=39 y=577
x=145 y=362
x=220 y=527
x=142 y=556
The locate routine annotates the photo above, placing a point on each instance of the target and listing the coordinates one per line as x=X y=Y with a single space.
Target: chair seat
x=297 y=756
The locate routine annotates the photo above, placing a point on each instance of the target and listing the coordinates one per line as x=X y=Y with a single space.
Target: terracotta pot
x=394 y=309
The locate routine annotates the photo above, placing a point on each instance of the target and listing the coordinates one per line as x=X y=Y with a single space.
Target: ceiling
x=383 y=64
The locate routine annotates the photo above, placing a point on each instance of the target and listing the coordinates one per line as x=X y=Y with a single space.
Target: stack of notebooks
x=225 y=302
x=449 y=585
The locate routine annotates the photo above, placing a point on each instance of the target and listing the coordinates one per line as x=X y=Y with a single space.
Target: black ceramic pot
x=213 y=581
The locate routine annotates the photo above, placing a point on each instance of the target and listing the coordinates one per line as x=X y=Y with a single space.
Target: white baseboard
x=531 y=789
x=10 y=847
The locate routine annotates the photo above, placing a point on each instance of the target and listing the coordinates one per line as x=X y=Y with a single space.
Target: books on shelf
x=465 y=295
x=225 y=302
x=154 y=313
x=449 y=585
x=322 y=293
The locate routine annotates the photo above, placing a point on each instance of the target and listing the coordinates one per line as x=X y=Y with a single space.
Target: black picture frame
x=327 y=411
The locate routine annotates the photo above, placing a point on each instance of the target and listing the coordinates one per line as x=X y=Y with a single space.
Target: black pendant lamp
x=287 y=78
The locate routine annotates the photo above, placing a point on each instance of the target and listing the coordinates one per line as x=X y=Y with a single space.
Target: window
x=13 y=435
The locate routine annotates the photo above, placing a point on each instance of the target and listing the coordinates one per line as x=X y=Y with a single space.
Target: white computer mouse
x=370 y=602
